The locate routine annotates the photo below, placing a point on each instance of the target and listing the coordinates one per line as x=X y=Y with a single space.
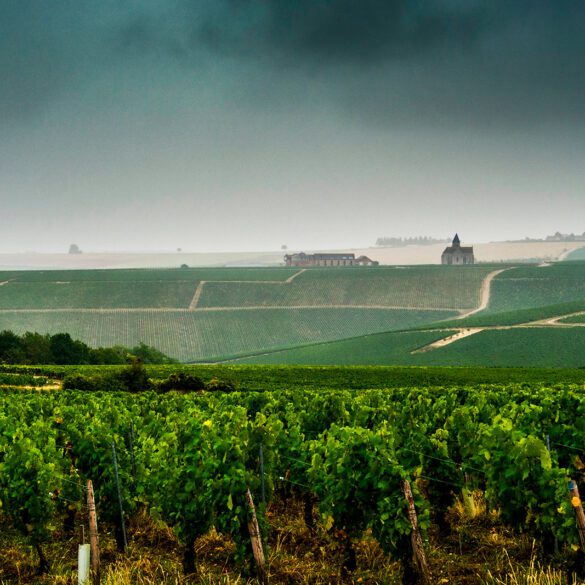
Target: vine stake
x=93 y=536
x=579 y=515
x=257 y=549
x=417 y=544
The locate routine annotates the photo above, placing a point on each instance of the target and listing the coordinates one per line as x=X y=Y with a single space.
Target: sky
x=212 y=125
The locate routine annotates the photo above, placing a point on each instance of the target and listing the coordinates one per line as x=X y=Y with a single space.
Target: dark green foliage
x=347 y=448
x=133 y=378
x=62 y=349
x=217 y=385
x=181 y=381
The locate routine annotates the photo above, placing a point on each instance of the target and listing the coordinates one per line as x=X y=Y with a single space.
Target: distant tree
x=150 y=355
x=74 y=249
x=117 y=354
x=36 y=348
x=65 y=350
x=183 y=266
x=10 y=347
x=284 y=247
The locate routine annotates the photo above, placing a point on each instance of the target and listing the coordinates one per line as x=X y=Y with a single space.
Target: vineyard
x=206 y=335
x=381 y=315
x=333 y=462
x=429 y=287
x=527 y=287
x=212 y=313
x=527 y=347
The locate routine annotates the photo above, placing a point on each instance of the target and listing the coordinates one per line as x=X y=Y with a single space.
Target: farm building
x=457 y=254
x=302 y=259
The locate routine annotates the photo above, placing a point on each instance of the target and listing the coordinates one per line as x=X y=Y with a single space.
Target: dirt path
x=197 y=295
x=291 y=278
x=486 y=287
x=461 y=333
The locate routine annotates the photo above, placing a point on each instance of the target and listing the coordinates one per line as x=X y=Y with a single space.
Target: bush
x=181 y=381
x=216 y=385
x=131 y=379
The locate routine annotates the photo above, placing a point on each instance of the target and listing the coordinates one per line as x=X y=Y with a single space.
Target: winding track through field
x=486 y=288
x=458 y=333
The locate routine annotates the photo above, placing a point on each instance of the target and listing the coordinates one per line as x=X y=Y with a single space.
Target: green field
x=574 y=318
x=578 y=254
x=527 y=287
x=209 y=313
x=208 y=335
x=314 y=316
x=538 y=347
x=322 y=452
x=151 y=274
x=418 y=287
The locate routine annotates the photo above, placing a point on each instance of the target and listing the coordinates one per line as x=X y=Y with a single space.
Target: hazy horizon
x=216 y=125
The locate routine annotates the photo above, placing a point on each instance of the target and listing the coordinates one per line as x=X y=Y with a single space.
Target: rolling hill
x=213 y=313
x=374 y=315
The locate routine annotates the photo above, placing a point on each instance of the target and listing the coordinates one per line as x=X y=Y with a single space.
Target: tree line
x=393 y=242
x=62 y=349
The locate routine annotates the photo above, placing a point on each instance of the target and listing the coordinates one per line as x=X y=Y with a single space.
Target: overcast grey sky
x=247 y=124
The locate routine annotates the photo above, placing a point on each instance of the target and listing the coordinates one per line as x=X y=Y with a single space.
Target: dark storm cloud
x=343 y=30
x=399 y=59
x=453 y=59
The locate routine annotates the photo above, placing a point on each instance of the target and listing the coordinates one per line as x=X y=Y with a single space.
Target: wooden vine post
x=256 y=540
x=93 y=536
x=417 y=543
x=579 y=514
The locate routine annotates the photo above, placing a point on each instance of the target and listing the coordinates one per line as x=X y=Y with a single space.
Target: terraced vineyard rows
x=96 y=294
x=527 y=287
x=204 y=335
x=431 y=287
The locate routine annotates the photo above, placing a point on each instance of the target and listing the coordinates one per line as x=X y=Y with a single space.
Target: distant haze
x=244 y=125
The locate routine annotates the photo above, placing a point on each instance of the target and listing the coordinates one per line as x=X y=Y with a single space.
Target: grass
x=478 y=551
x=578 y=254
x=533 y=574
x=574 y=318
x=96 y=295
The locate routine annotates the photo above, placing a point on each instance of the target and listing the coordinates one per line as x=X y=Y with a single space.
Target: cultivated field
x=212 y=313
x=206 y=335
x=533 y=317
x=518 y=347
x=429 y=287
x=343 y=466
